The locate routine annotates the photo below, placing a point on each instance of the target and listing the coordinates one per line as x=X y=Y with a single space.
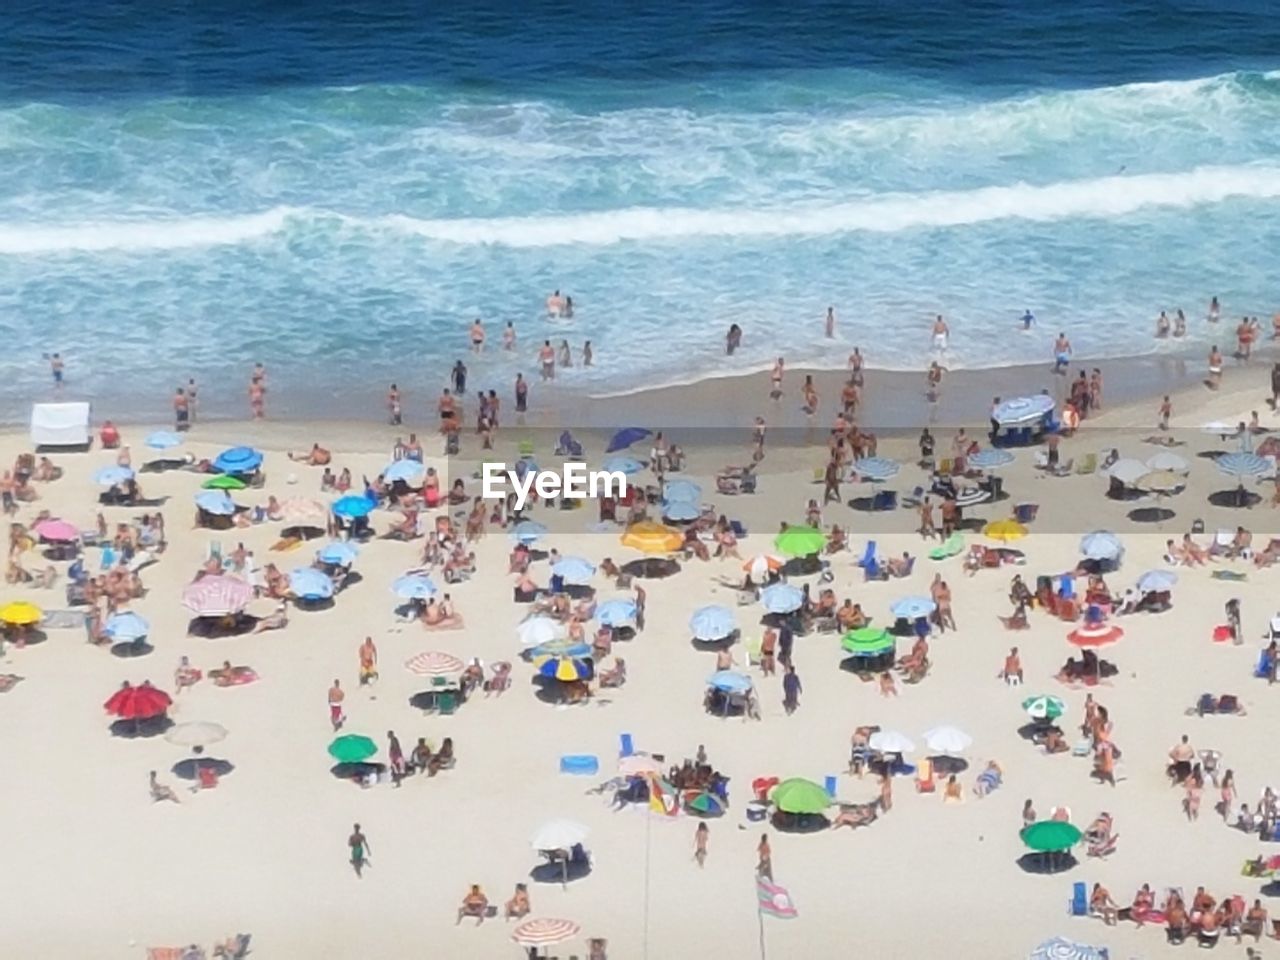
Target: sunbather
x=161 y=792
x=518 y=906
x=474 y=904
x=229 y=676
x=989 y=779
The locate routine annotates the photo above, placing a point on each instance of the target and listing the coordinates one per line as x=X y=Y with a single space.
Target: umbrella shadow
x=947 y=765
x=214 y=628
x=1151 y=514
x=802 y=566
x=972 y=524
x=553 y=692
x=134 y=648
x=1047 y=864
x=30 y=635
x=313 y=604
x=1030 y=731
x=651 y=568
x=352 y=771
x=799 y=822
x=560 y=872
x=1234 y=499
x=190 y=768
x=723 y=643
x=141 y=729
x=303 y=532
x=867 y=668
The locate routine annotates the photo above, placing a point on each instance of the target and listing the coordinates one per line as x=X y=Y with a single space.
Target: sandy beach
x=100 y=869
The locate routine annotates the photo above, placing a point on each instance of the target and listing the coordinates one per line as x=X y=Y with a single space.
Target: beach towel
x=62 y=620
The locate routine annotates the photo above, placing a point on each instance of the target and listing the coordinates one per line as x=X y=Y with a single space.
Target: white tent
x=60 y=424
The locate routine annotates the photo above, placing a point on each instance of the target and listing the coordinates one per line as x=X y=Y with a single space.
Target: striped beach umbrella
x=876 y=468
x=1095 y=635
x=217 y=596
x=433 y=663
x=1241 y=465
x=1060 y=948
x=1043 y=707
x=298 y=511
x=544 y=932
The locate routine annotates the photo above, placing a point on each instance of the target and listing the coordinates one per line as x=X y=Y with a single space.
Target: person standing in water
x=393 y=405
x=509 y=337
x=522 y=393
x=57 y=368
x=941 y=334
x=477 y=336
x=732 y=339
x=1061 y=354
x=1215 y=368
x=191 y=399
x=1028 y=319
x=831 y=323
x=1215 y=311
x=587 y=354
x=358 y=844
x=547 y=358
x=856 y=362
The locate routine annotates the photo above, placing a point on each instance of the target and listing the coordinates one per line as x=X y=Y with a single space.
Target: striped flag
x=774 y=900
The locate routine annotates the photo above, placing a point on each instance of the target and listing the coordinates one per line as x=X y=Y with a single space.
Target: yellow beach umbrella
x=650 y=537
x=20 y=613
x=1161 y=482
x=1004 y=530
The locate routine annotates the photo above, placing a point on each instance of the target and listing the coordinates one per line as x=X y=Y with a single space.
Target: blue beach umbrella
x=782 y=598
x=308 y=583
x=912 y=608
x=338 y=553
x=990 y=458
x=1021 y=410
x=616 y=613
x=1157 y=581
x=1243 y=465
x=564 y=668
x=625 y=438
x=681 y=511
x=528 y=531
x=712 y=623
x=216 y=502
x=681 y=490
x=625 y=465
x=238 y=460
x=407 y=471
x=110 y=476
x=729 y=681
x=163 y=440
x=353 y=505
x=574 y=570
x=413 y=586
x=876 y=468
x=126 y=627
x=1060 y=948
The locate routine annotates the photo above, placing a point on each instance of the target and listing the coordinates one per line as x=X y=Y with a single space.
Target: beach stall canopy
x=413 y=586
x=1020 y=411
x=308 y=583
x=575 y=571
x=782 y=598
x=649 y=537
x=712 y=623
x=616 y=613
x=60 y=424
x=798 y=795
x=625 y=438
x=1101 y=545
x=238 y=460
x=681 y=490
x=800 y=541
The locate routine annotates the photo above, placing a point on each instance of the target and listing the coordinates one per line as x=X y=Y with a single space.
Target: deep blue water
x=327 y=184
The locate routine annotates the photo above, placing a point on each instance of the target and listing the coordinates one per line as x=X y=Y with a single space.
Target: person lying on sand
x=229 y=676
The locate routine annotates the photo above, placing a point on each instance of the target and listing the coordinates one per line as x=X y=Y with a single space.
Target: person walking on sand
x=791 y=690
x=1215 y=368
x=700 y=838
x=1166 y=411
x=775 y=379
x=368 y=662
x=886 y=793
x=336 y=715
x=642 y=600
x=764 y=858
x=831 y=323
x=395 y=754
x=358 y=844
x=1061 y=354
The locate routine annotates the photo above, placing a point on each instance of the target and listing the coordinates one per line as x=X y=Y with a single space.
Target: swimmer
x=1180 y=324
x=555 y=304
x=1028 y=320
x=775 y=378
x=509 y=337
x=477 y=336
x=733 y=339
x=941 y=334
x=1162 y=325
x=587 y=354
x=1215 y=311
x=1061 y=353
x=831 y=322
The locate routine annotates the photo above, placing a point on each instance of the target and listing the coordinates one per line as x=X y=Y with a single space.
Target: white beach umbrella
x=1101 y=545
x=1127 y=470
x=891 y=741
x=559 y=834
x=947 y=739
x=1164 y=460
x=538 y=630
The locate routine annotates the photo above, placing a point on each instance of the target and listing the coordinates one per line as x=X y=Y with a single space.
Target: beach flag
x=774 y=900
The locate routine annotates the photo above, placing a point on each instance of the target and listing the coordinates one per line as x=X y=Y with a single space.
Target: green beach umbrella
x=800 y=541
x=799 y=795
x=1051 y=836
x=224 y=481
x=1043 y=708
x=868 y=641
x=352 y=748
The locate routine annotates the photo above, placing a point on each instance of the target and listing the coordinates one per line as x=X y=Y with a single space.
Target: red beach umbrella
x=138 y=703
x=1095 y=635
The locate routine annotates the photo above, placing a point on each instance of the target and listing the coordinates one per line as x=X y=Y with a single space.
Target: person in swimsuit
x=393 y=406
x=1162 y=325
x=1215 y=368
x=1061 y=353
x=587 y=354
x=831 y=323
x=358 y=844
x=1215 y=311
x=547 y=358
x=395 y=753
x=368 y=662
x=733 y=339
x=941 y=334
x=258 y=398
x=477 y=336
x=181 y=410
x=775 y=379
x=700 y=837
x=555 y=304
x=336 y=715
x=191 y=399
x=1180 y=324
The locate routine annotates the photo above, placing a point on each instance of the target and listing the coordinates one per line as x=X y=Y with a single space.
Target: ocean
x=339 y=189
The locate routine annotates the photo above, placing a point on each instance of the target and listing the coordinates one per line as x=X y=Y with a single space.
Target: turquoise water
x=347 y=219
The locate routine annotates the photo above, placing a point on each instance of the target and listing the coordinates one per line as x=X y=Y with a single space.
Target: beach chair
x=950 y=547
x=885 y=500
x=924 y=777
x=1025 y=512
x=626 y=745
x=1103 y=847
x=945 y=466
x=1078 y=905
x=868 y=555
x=447 y=702
x=1088 y=465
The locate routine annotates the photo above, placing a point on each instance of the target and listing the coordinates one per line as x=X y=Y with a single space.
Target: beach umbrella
x=298 y=511
x=574 y=570
x=138 y=703
x=616 y=613
x=308 y=583
x=1157 y=581
x=538 y=630
x=990 y=458
x=763 y=564
x=163 y=440
x=216 y=502
x=1043 y=707
x=681 y=511
x=544 y=932
x=21 y=613
x=404 y=471
x=625 y=438
x=947 y=740
x=224 y=481
x=706 y=804
x=561 y=647
x=1241 y=465
x=1127 y=470
x=217 y=596
x=868 y=641
x=338 y=552
x=352 y=748
x=110 y=476
x=624 y=465
x=1095 y=635
x=712 y=623
x=876 y=468
x=1059 y=948
x=800 y=541
x=528 y=531
x=1101 y=545
x=1006 y=530
x=891 y=741
x=433 y=663
x=1161 y=482
x=729 y=681
x=637 y=764
x=1049 y=836
x=413 y=586
x=564 y=668
x=649 y=537
x=559 y=834
x=681 y=490
x=798 y=795
x=56 y=531
x=238 y=460
x=1022 y=410
x=126 y=627
x=1164 y=460
x=912 y=608
x=196 y=734
x=782 y=598
x=353 y=505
